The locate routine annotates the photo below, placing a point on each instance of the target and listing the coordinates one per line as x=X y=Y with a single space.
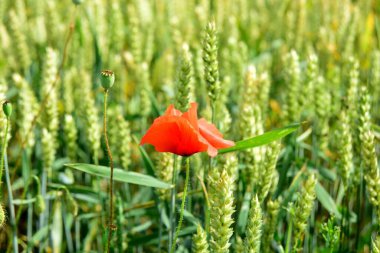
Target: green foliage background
x=252 y=66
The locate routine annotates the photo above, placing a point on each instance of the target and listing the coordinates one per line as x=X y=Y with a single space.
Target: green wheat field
x=295 y=84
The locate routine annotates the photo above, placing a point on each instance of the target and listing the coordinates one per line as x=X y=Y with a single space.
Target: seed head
x=107 y=79
x=7 y=108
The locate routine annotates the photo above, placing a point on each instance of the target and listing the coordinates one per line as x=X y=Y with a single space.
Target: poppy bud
x=39 y=204
x=2 y=215
x=77 y=2
x=7 y=109
x=107 y=79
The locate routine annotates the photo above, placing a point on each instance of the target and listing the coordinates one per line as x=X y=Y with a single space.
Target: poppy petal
x=210 y=127
x=183 y=134
x=212 y=151
x=190 y=142
x=164 y=135
x=174 y=134
x=171 y=111
x=213 y=136
x=192 y=116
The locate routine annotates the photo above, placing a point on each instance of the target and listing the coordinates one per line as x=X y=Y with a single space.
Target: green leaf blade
x=120 y=175
x=326 y=200
x=261 y=140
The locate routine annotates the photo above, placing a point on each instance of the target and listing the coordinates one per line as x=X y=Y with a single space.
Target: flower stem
x=172 y=203
x=110 y=221
x=4 y=163
x=4 y=145
x=11 y=206
x=208 y=169
x=187 y=164
x=207 y=207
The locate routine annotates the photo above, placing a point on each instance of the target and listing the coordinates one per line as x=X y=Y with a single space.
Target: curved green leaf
x=39 y=236
x=263 y=139
x=120 y=175
x=326 y=200
x=244 y=212
x=147 y=161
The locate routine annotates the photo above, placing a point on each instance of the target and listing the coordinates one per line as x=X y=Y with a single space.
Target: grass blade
x=120 y=175
x=261 y=140
x=327 y=201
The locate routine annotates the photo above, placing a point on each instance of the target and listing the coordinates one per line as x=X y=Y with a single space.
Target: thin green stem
x=30 y=210
x=12 y=216
x=111 y=226
x=172 y=201
x=4 y=163
x=347 y=218
x=43 y=219
x=29 y=224
x=160 y=208
x=187 y=164
x=25 y=192
x=359 y=210
x=207 y=207
x=289 y=237
x=4 y=145
x=189 y=197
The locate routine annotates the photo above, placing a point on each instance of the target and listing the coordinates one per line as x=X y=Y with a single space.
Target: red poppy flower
x=183 y=134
